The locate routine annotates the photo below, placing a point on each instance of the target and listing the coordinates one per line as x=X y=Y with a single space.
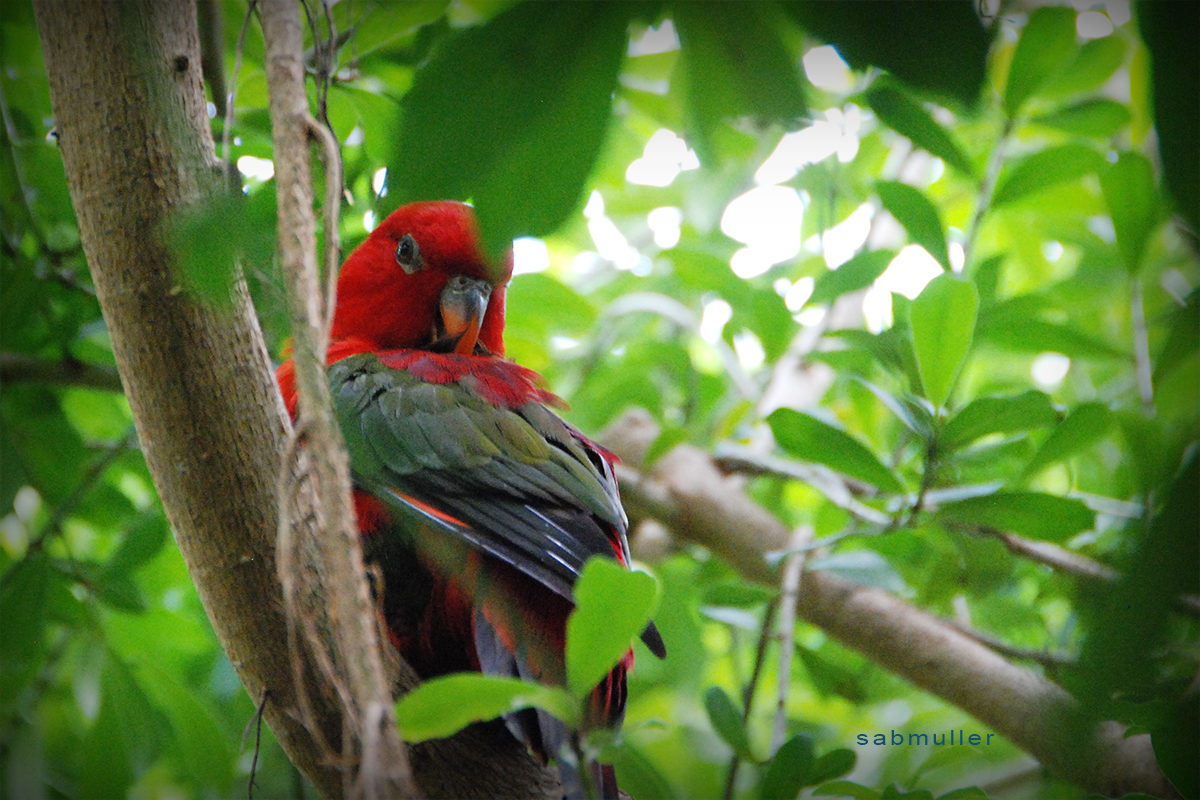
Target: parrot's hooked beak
x=464 y=301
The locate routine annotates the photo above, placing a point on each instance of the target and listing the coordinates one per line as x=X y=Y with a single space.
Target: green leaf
x=914 y=416
x=1041 y=516
x=1083 y=427
x=864 y=567
x=512 y=113
x=726 y=719
x=965 y=793
x=918 y=215
x=733 y=63
x=206 y=749
x=1018 y=326
x=1046 y=44
x=809 y=439
x=143 y=539
x=738 y=594
x=1046 y=168
x=790 y=770
x=847 y=789
x=999 y=414
x=907 y=117
x=943 y=324
x=612 y=606
x=23 y=596
x=1132 y=198
x=1097 y=117
x=857 y=273
x=941 y=48
x=105 y=770
x=832 y=764
x=208 y=237
x=443 y=706
x=1092 y=66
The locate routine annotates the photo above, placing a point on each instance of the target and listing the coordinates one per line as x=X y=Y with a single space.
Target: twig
x=986 y=187
x=1051 y=661
x=257 y=723
x=792 y=570
x=212 y=64
x=760 y=652
x=16 y=367
x=332 y=158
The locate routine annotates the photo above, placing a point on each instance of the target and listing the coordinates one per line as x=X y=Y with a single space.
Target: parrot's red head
x=421 y=281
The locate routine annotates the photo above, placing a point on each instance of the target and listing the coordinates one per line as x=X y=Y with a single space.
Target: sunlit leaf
x=903 y=114
x=1046 y=44
x=857 y=273
x=1094 y=63
x=943 y=324
x=1132 y=198
x=612 y=606
x=726 y=719
x=809 y=439
x=1097 y=117
x=1034 y=514
x=918 y=215
x=790 y=770
x=1046 y=168
x=443 y=706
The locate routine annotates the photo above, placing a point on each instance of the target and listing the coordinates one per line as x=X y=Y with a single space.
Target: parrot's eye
x=408 y=255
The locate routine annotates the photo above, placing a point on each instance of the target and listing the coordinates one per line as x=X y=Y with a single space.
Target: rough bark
x=688 y=494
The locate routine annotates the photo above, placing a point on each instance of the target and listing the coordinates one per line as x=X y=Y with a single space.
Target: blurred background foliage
x=925 y=252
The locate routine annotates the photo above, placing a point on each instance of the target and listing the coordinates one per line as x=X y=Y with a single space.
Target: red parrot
x=477 y=503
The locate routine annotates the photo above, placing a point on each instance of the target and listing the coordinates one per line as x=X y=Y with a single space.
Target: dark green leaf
x=512 y=113
x=907 y=117
x=105 y=769
x=965 y=793
x=143 y=538
x=1176 y=741
x=22 y=618
x=1132 y=198
x=790 y=770
x=809 y=439
x=847 y=789
x=612 y=606
x=832 y=765
x=943 y=324
x=1041 y=516
x=726 y=720
x=1004 y=415
x=1046 y=44
x=1046 y=168
x=734 y=64
x=940 y=48
x=443 y=706
x=1097 y=117
x=918 y=215
x=864 y=567
x=1083 y=427
x=857 y=273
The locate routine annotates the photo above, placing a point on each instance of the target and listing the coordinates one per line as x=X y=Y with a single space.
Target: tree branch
x=689 y=494
x=15 y=367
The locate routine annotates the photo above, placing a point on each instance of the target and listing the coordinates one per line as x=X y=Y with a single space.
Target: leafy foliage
x=1037 y=396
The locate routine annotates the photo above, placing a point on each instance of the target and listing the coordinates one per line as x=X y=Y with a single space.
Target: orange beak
x=464 y=302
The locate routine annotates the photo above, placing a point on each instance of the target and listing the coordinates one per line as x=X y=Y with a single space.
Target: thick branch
x=689 y=494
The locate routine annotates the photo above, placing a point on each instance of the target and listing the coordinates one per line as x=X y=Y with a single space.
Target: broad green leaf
x=809 y=439
x=1094 y=63
x=1046 y=44
x=726 y=719
x=907 y=117
x=1040 y=516
x=1003 y=414
x=1046 y=168
x=918 y=215
x=208 y=237
x=105 y=769
x=23 y=596
x=612 y=606
x=738 y=594
x=144 y=537
x=857 y=273
x=1132 y=198
x=1015 y=329
x=832 y=765
x=914 y=416
x=512 y=113
x=965 y=793
x=940 y=48
x=1097 y=117
x=733 y=63
x=790 y=770
x=847 y=789
x=207 y=751
x=1083 y=427
x=443 y=706
x=943 y=324
x=865 y=567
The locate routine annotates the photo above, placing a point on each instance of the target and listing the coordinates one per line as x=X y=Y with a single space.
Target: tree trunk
x=125 y=83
